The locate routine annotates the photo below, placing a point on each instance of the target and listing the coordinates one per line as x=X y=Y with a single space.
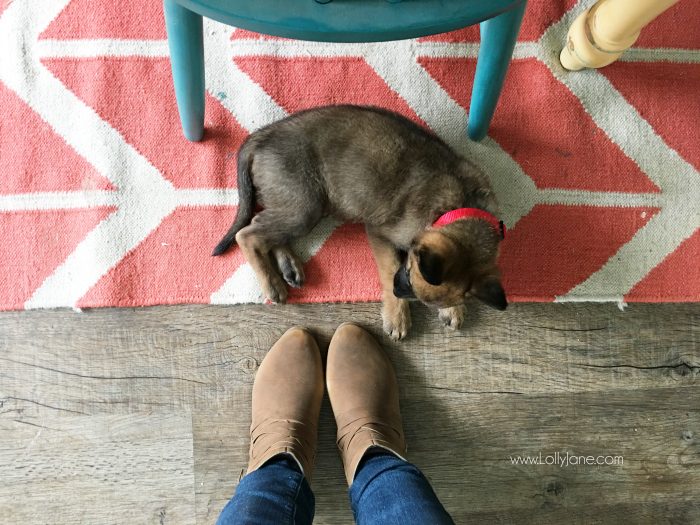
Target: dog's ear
x=490 y=292
x=431 y=266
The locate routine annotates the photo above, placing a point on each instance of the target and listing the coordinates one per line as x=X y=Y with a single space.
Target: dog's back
x=362 y=163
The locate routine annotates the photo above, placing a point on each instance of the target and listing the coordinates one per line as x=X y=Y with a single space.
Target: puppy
x=369 y=165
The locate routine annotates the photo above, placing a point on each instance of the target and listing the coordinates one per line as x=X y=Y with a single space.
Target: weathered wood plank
x=97 y=469
x=196 y=357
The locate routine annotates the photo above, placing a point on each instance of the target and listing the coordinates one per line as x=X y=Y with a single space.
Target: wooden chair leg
x=186 y=44
x=498 y=36
x=602 y=33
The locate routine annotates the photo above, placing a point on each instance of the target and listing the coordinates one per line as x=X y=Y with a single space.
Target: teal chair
x=344 y=21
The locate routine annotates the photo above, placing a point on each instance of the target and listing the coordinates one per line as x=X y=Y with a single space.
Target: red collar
x=471 y=213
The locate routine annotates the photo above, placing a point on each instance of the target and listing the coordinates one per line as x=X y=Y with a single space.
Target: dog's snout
x=402 y=284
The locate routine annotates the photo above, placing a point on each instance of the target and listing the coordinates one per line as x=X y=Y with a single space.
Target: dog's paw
x=452 y=317
x=396 y=315
x=294 y=278
x=275 y=290
x=290 y=266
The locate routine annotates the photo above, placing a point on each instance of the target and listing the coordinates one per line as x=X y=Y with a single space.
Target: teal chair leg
x=187 y=60
x=498 y=36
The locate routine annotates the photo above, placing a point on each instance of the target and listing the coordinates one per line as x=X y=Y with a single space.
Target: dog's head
x=445 y=266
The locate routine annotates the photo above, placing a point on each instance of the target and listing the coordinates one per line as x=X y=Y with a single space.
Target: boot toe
x=296 y=350
x=356 y=361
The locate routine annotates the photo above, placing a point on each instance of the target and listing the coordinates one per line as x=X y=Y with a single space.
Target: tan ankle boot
x=287 y=396
x=364 y=395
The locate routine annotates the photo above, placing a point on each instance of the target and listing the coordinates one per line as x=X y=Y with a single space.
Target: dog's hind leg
x=290 y=266
x=257 y=252
x=268 y=233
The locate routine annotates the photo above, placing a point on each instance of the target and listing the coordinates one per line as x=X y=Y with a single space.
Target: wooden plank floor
x=141 y=415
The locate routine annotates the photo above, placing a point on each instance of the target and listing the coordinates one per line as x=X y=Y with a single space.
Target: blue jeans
x=387 y=491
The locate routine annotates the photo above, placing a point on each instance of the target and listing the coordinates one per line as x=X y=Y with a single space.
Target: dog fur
x=368 y=165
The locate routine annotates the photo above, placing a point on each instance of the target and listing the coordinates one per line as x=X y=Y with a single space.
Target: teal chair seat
x=343 y=21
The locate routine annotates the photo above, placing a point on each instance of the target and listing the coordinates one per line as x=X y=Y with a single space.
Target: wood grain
x=97 y=469
x=582 y=379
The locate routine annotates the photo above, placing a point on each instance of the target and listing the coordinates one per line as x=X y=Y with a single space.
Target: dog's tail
x=246 y=201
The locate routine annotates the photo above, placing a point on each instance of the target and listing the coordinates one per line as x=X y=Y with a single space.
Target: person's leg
x=364 y=395
x=287 y=395
x=275 y=494
x=388 y=490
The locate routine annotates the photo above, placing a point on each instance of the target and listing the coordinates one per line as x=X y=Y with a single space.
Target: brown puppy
x=368 y=165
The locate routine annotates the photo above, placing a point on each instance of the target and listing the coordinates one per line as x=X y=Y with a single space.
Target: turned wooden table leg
x=602 y=33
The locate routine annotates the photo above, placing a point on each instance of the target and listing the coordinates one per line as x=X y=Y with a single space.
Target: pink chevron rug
x=104 y=203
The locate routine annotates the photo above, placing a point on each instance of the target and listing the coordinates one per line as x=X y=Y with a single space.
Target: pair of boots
x=287 y=396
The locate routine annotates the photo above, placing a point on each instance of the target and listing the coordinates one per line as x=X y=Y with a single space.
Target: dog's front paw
x=275 y=289
x=396 y=315
x=290 y=266
x=452 y=317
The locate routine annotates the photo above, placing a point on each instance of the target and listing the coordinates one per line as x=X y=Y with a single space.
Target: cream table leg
x=602 y=33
